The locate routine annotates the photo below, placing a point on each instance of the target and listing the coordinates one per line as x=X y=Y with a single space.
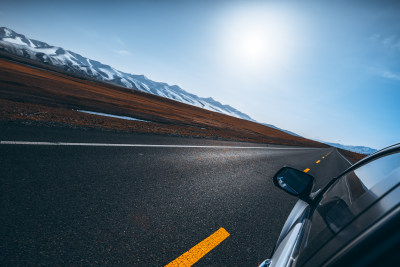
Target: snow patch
x=110 y=115
x=109 y=73
x=17 y=41
x=7 y=31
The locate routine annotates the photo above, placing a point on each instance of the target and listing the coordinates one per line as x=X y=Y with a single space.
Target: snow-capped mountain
x=18 y=44
x=358 y=149
x=286 y=131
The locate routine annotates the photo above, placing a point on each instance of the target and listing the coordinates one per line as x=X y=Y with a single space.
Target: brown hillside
x=37 y=94
x=352 y=156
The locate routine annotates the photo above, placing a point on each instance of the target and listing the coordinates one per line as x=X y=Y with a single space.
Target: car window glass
x=348 y=197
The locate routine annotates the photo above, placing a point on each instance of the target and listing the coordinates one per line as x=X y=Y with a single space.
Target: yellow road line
x=197 y=252
x=317 y=161
x=306 y=170
x=323 y=157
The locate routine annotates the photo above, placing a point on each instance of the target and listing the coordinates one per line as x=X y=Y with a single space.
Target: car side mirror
x=294 y=182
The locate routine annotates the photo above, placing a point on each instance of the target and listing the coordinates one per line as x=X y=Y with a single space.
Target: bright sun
x=251 y=46
x=257 y=40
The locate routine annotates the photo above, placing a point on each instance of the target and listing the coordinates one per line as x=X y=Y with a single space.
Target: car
x=353 y=221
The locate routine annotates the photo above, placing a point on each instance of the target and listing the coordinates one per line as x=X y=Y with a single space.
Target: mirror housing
x=294 y=182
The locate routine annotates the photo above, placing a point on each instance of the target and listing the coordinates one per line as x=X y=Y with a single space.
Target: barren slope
x=37 y=94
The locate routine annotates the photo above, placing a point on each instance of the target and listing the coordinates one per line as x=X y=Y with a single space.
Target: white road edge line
x=136 y=145
x=344 y=157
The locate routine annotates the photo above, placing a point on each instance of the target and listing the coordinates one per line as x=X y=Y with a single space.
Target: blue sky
x=327 y=70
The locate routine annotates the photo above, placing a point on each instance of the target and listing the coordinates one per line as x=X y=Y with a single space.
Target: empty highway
x=74 y=197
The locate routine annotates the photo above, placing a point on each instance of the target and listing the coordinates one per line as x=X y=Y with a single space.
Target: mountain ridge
x=358 y=149
x=19 y=44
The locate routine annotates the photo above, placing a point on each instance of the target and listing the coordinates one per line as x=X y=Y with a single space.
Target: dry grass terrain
x=352 y=156
x=40 y=95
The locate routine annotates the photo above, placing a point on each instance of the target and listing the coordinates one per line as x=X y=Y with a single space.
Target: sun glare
x=257 y=40
x=250 y=47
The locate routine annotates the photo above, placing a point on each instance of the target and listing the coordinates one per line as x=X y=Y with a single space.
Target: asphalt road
x=142 y=206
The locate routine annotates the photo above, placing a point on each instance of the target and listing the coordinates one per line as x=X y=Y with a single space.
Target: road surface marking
x=135 y=145
x=317 y=161
x=200 y=250
x=345 y=158
x=306 y=170
x=323 y=157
